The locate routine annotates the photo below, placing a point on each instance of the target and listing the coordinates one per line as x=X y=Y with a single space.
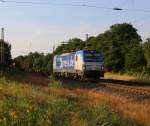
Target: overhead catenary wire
x=74 y=5
x=141 y=19
x=54 y=4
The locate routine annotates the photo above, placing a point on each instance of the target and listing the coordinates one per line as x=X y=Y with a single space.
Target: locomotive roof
x=65 y=54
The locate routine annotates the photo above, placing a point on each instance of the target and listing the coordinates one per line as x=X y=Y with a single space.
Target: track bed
x=138 y=91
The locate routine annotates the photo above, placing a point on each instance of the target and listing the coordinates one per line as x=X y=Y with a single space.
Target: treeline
x=121 y=46
x=35 y=62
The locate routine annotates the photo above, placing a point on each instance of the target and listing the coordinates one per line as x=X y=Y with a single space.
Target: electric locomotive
x=79 y=64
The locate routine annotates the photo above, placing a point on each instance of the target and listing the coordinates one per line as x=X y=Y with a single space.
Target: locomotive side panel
x=80 y=64
x=68 y=62
x=64 y=65
x=57 y=64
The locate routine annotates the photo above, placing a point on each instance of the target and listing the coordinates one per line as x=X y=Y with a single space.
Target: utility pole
x=88 y=45
x=53 y=49
x=2 y=34
x=2 y=47
x=87 y=37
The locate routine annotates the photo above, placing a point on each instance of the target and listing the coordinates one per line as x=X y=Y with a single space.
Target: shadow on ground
x=26 y=78
x=43 y=80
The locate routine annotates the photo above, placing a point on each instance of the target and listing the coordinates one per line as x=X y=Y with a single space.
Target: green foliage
x=146 y=48
x=24 y=105
x=35 y=62
x=142 y=76
x=113 y=61
x=135 y=59
x=114 y=44
x=99 y=114
x=120 y=46
x=38 y=64
x=54 y=83
x=22 y=112
x=70 y=46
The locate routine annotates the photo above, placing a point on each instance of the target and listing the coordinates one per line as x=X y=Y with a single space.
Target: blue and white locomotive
x=79 y=64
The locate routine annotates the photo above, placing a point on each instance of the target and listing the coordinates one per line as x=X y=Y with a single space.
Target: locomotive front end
x=93 y=64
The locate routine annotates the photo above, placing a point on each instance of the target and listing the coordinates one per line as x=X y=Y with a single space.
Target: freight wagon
x=79 y=64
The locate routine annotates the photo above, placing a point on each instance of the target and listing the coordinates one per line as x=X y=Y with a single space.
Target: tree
x=70 y=46
x=115 y=43
x=135 y=59
x=146 y=48
x=38 y=64
x=34 y=62
x=120 y=45
x=113 y=62
x=18 y=61
x=47 y=63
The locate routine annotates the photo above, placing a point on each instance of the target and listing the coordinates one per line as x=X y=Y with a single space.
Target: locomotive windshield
x=93 y=57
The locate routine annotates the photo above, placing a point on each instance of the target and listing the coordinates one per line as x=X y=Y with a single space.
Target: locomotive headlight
x=102 y=67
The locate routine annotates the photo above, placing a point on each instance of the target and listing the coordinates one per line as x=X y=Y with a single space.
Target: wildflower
x=30 y=109
x=1 y=120
x=1 y=88
x=14 y=114
x=4 y=119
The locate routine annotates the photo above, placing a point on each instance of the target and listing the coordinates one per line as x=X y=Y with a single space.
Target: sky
x=39 y=27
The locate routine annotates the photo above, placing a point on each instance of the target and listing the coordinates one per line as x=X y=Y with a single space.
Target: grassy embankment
x=23 y=104
x=131 y=77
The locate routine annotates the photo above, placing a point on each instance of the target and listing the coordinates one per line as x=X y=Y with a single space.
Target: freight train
x=79 y=64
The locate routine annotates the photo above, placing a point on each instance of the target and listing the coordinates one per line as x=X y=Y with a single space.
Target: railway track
x=129 y=89
x=138 y=91
x=134 y=92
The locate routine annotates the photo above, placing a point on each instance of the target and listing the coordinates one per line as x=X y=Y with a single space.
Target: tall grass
x=142 y=76
x=119 y=76
x=27 y=105
x=54 y=83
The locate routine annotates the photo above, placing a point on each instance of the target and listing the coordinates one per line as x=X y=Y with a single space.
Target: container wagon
x=79 y=64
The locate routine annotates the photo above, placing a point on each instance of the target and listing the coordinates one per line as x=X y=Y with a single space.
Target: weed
x=27 y=105
x=54 y=83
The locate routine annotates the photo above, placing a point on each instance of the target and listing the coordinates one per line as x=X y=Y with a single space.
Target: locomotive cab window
x=92 y=57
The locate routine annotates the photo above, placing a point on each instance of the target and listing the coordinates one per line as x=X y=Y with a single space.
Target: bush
x=100 y=114
x=134 y=60
x=54 y=83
